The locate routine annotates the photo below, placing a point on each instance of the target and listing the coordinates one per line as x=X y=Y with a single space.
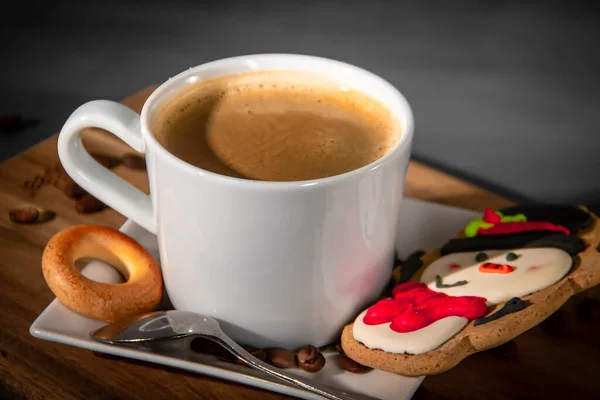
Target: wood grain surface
x=559 y=358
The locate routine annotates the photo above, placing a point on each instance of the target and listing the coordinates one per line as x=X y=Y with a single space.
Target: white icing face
x=421 y=341
x=533 y=270
x=530 y=271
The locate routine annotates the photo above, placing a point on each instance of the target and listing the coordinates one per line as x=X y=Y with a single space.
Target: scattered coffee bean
x=204 y=346
x=73 y=190
x=307 y=354
x=309 y=359
x=24 y=215
x=315 y=366
x=133 y=161
x=105 y=160
x=281 y=358
x=348 y=364
x=89 y=204
x=54 y=175
x=338 y=347
x=33 y=185
x=506 y=351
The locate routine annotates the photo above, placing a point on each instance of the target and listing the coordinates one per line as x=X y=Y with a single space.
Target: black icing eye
x=481 y=257
x=511 y=256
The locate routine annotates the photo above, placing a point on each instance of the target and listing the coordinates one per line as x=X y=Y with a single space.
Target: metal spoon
x=172 y=324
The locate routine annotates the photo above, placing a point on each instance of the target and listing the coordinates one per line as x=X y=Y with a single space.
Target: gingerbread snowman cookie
x=504 y=274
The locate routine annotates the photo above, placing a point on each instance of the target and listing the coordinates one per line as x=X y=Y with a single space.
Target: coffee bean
x=281 y=358
x=73 y=190
x=133 y=161
x=315 y=366
x=35 y=184
x=204 y=346
x=24 y=215
x=338 y=347
x=307 y=354
x=105 y=160
x=310 y=360
x=350 y=365
x=89 y=204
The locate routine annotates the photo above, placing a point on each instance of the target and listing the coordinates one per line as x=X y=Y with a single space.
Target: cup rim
x=151 y=141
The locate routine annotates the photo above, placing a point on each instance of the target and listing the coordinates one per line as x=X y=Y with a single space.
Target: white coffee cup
x=279 y=263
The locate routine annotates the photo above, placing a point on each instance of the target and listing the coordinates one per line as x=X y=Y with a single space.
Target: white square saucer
x=423 y=226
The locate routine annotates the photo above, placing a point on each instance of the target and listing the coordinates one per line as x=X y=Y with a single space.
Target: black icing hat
x=525 y=226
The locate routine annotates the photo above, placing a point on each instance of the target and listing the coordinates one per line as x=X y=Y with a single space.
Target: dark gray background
x=505 y=94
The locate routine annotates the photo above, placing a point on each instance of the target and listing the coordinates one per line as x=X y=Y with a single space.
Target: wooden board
x=562 y=358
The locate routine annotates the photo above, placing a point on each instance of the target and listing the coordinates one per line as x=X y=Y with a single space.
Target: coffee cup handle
x=89 y=174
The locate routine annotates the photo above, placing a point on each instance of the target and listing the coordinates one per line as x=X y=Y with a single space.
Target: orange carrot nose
x=491 y=268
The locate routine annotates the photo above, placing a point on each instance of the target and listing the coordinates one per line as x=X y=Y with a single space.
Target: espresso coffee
x=275 y=126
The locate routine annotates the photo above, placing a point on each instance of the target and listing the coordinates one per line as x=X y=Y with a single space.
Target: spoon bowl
x=157 y=325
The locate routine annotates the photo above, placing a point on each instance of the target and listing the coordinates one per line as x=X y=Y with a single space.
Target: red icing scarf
x=414 y=306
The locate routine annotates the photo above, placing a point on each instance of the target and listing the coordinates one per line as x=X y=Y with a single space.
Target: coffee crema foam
x=275 y=126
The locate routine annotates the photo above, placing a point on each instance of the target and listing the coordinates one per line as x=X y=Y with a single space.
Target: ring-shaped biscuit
x=106 y=302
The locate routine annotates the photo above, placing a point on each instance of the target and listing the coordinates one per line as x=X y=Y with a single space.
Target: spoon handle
x=307 y=384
